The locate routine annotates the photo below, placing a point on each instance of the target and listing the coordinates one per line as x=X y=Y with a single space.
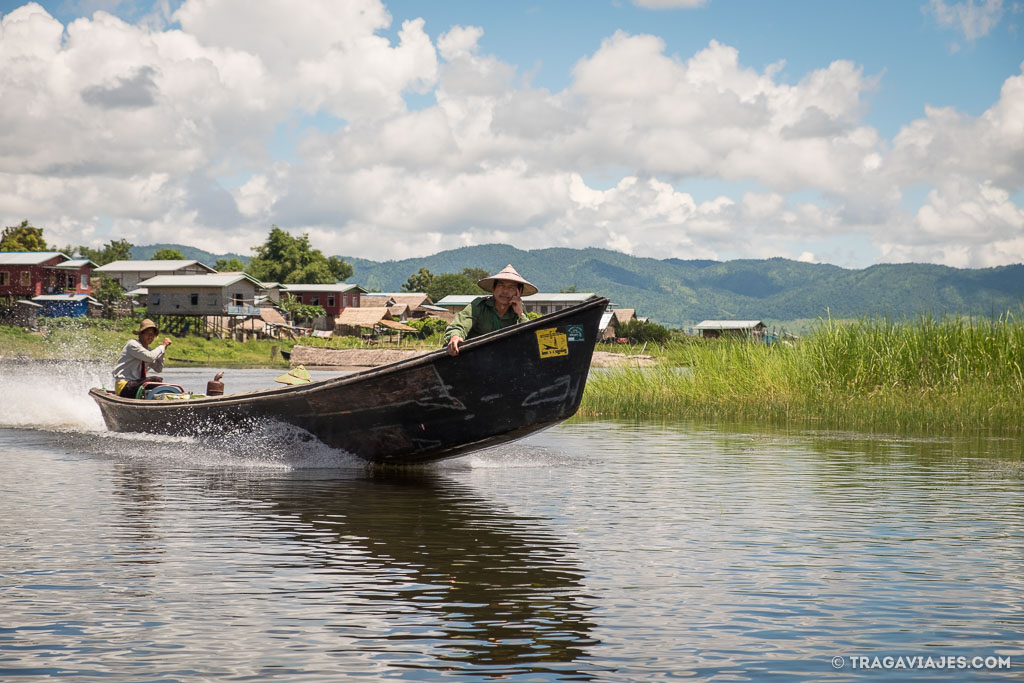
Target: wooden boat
x=502 y=386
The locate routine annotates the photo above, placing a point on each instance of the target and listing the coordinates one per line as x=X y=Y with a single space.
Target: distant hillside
x=145 y=253
x=681 y=293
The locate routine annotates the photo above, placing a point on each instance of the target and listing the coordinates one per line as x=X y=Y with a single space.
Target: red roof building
x=27 y=274
x=334 y=298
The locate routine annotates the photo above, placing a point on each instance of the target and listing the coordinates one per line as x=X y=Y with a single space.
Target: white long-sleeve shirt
x=133 y=355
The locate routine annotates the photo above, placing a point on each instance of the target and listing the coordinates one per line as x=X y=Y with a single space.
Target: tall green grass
x=951 y=375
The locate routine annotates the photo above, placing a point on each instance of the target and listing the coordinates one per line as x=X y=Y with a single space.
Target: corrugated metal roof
x=168 y=266
x=65 y=297
x=27 y=258
x=336 y=287
x=207 y=280
x=559 y=297
x=728 y=324
x=459 y=299
x=74 y=264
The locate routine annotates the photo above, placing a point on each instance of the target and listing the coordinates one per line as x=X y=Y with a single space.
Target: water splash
x=51 y=395
x=271 y=446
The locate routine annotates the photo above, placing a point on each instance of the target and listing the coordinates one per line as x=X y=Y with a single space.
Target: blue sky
x=901 y=40
x=848 y=133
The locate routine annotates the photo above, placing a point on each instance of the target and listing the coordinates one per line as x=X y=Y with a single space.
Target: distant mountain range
x=190 y=253
x=680 y=293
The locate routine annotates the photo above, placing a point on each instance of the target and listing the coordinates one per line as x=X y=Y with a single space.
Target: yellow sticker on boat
x=552 y=343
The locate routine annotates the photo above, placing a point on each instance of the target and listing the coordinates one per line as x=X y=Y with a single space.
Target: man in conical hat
x=137 y=359
x=487 y=314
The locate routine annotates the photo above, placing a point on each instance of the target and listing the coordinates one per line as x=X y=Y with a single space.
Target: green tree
x=451 y=283
x=229 y=265
x=23 y=237
x=475 y=274
x=300 y=312
x=108 y=292
x=114 y=250
x=167 y=254
x=641 y=331
x=292 y=260
x=418 y=281
x=340 y=270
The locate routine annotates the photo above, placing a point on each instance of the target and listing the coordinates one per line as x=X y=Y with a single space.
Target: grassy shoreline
x=931 y=376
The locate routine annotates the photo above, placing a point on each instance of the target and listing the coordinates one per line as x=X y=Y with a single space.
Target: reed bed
x=928 y=375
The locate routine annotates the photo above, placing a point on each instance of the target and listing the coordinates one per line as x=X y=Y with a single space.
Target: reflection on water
x=616 y=551
x=491 y=589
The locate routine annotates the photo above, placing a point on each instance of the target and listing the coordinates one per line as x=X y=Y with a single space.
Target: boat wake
x=53 y=399
x=270 y=445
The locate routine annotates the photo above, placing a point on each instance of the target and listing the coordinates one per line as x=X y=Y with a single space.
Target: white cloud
x=974 y=18
x=175 y=135
x=948 y=144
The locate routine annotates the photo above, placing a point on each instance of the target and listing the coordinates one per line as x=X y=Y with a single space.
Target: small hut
x=68 y=306
x=366 y=321
x=611 y=320
x=713 y=329
x=21 y=312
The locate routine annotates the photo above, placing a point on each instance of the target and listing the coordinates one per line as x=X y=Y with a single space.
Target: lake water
x=596 y=550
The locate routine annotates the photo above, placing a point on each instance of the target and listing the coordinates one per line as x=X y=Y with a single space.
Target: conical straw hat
x=508 y=273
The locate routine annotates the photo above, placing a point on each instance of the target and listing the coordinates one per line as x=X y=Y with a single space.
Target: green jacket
x=480 y=317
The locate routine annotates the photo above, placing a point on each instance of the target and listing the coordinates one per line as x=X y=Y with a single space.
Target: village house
x=68 y=306
x=541 y=303
x=27 y=274
x=202 y=295
x=363 y=321
x=272 y=291
x=333 y=298
x=403 y=305
x=611 y=320
x=453 y=303
x=713 y=329
x=129 y=274
x=268 y=324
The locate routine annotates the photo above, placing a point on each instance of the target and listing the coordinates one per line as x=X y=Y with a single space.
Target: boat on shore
x=502 y=386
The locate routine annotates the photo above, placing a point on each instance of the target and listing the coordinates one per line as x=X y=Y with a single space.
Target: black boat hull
x=502 y=386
